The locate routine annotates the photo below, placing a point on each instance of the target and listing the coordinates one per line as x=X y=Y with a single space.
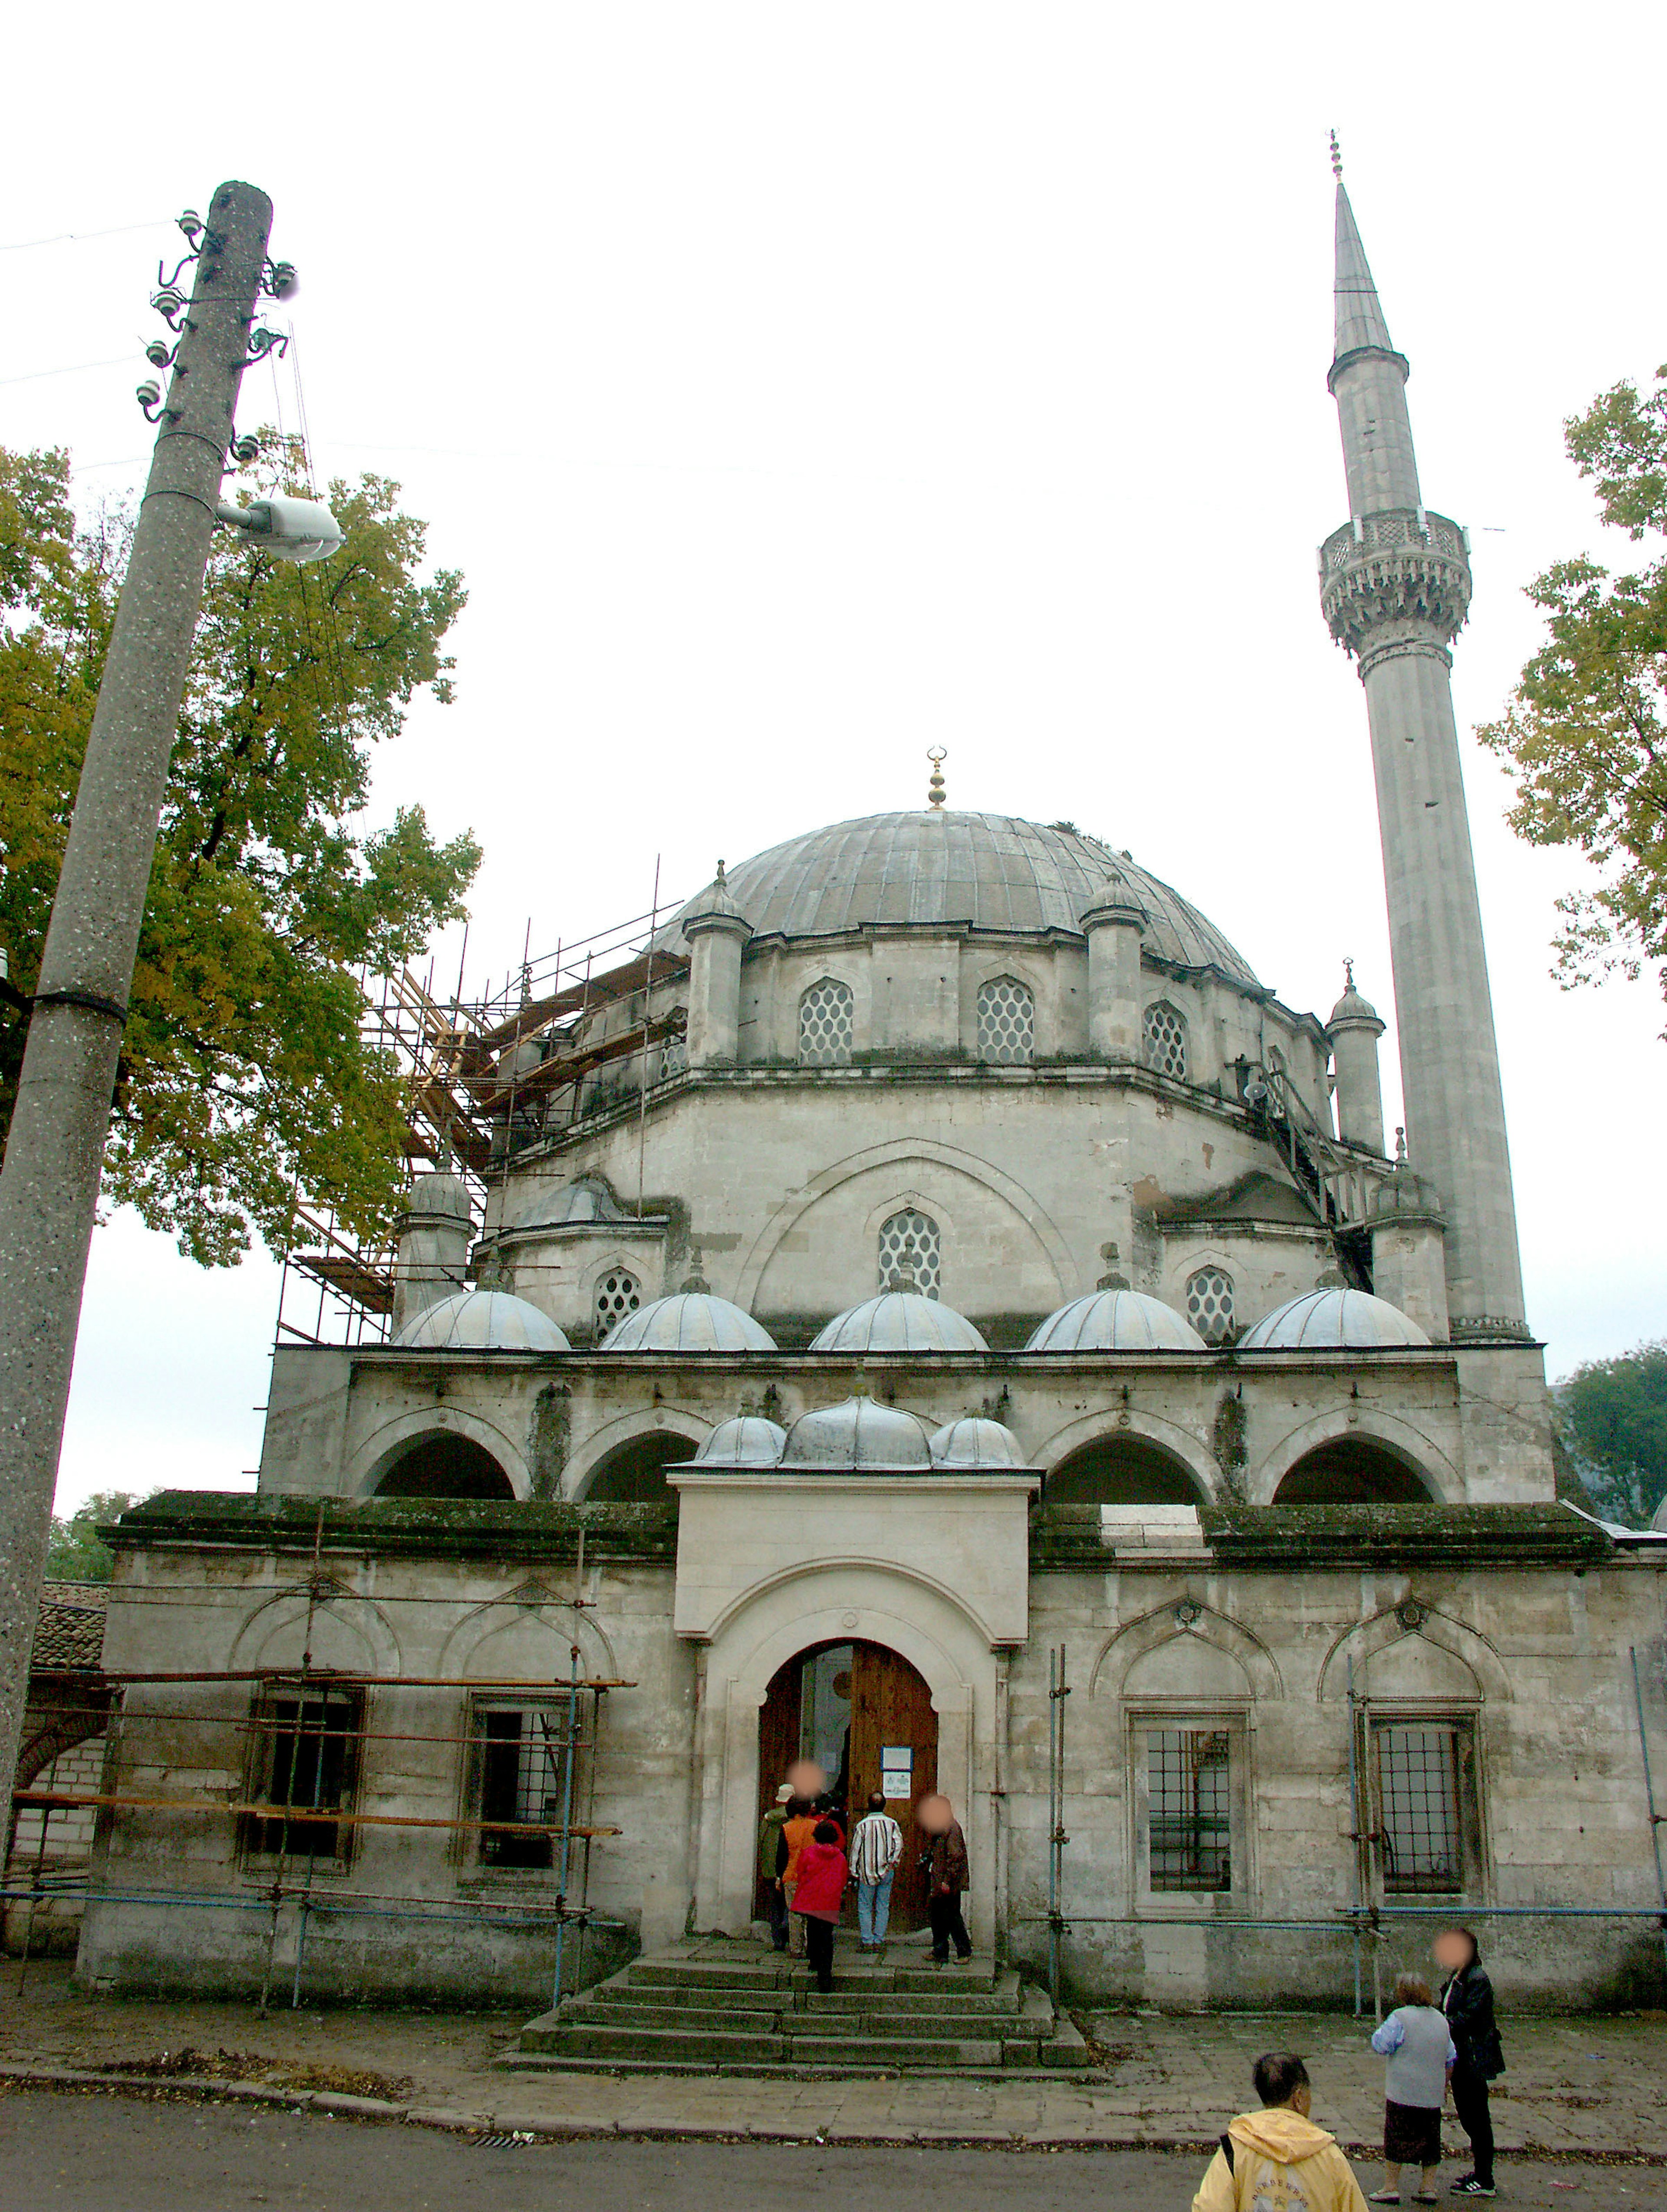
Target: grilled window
x=825 y=1025
x=520 y=1753
x=1007 y=1023
x=617 y=1294
x=1419 y=1772
x=1189 y=1809
x=1210 y=1303
x=1164 y=1039
x=674 y=1060
x=910 y=1243
x=306 y=1768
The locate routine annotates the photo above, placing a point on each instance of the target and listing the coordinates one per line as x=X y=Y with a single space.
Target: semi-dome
x=482 y=1320
x=859 y=1434
x=587 y=1198
x=1115 y=1321
x=1333 y=1321
x=747 y=1441
x=899 y=1321
x=990 y=871
x=975 y=1442
x=689 y=1321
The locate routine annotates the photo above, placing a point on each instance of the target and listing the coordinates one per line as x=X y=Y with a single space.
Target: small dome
x=858 y=1434
x=899 y=1321
x=482 y=1320
x=1329 y=1321
x=1116 y=1320
x=715 y=908
x=585 y=1199
x=1351 y=1006
x=975 y=1443
x=689 y=1321
x=439 y=1196
x=747 y=1441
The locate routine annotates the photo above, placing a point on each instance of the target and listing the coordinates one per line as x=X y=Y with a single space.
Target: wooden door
x=891 y=1712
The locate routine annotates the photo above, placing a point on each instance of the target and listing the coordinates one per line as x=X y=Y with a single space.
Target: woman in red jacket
x=819 y=1898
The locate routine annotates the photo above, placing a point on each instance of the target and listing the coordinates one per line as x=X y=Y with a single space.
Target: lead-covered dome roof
x=689 y=1321
x=482 y=1320
x=899 y=1321
x=991 y=870
x=1115 y=1321
x=858 y=1434
x=1331 y=1321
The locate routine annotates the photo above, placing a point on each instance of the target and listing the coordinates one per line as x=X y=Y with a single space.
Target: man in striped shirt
x=876 y=1848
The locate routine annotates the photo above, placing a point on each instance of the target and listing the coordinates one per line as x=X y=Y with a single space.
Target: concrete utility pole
x=50 y=1185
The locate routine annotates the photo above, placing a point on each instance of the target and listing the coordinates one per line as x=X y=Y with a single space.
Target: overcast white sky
x=799 y=386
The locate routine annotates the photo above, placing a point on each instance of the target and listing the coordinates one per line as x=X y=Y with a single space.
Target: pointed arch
x=1185 y=1616
x=1406 y=1619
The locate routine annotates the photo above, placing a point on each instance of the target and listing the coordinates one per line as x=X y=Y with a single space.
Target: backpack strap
x=1227 y=2151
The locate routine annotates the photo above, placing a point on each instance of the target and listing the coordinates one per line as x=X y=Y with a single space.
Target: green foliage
x=1613 y=1414
x=77 y=1553
x=1586 y=730
x=243 y=1078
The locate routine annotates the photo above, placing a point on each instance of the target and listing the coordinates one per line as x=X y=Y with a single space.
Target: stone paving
x=1579 y=2086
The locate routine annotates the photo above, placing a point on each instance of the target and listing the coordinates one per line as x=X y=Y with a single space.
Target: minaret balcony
x=1401 y=565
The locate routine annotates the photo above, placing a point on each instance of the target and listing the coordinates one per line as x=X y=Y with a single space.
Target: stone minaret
x=1395 y=585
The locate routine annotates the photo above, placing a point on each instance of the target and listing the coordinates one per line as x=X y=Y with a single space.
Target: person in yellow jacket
x=1277 y=2159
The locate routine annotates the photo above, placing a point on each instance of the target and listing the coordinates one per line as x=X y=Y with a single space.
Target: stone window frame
x=1004 y=978
x=1464 y=1722
x=476 y=1866
x=827 y=981
x=1223 y=1715
x=1165 y=1005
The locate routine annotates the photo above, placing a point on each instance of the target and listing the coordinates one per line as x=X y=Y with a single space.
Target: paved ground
x=102 y=2154
x=1577 y=2087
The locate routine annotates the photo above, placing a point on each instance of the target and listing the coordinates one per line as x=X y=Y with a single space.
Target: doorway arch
x=865 y=1715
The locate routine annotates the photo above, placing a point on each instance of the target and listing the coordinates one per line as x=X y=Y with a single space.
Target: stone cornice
x=1358 y=354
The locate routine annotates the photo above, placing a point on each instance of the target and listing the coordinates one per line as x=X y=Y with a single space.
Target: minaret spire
x=1395 y=585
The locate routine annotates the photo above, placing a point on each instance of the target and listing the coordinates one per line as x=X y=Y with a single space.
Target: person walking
x=796 y=1831
x=1467 y=1999
x=819 y=1897
x=769 y=1838
x=1420 y=2048
x=1277 y=2159
x=876 y=1849
x=945 y=1860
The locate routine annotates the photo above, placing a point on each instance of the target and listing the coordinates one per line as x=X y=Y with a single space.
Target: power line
x=80 y=237
x=73 y=368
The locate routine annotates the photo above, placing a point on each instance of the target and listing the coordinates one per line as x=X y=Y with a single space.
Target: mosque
x=973 y=1284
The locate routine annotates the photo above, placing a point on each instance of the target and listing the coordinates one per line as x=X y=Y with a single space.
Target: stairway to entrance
x=739 y=2008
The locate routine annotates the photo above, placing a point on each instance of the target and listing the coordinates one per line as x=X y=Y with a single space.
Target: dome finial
x=934 y=790
x=719 y=877
x=1337 y=159
x=1348 y=972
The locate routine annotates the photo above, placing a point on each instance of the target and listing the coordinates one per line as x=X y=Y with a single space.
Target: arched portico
x=1415 y=1451
x=837 y=1603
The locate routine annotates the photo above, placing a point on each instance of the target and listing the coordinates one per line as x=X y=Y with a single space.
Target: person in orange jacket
x=1277 y=2159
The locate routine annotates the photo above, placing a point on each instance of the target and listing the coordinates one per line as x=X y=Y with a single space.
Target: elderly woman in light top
x=1414 y=2039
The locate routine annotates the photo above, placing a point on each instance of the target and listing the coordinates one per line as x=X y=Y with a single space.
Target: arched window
x=1210 y=1303
x=617 y=1294
x=1007 y=1023
x=910 y=1243
x=674 y=1060
x=635 y=1472
x=1164 y=1039
x=1122 y=1470
x=445 y=1466
x=825 y=1025
x=1352 y=1471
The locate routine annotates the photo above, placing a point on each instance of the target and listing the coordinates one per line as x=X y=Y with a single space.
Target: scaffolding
x=481 y=1077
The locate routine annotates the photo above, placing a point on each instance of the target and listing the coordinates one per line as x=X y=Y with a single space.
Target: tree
x=244 y=1077
x=76 y=1553
x=1585 y=731
x=1613 y=1418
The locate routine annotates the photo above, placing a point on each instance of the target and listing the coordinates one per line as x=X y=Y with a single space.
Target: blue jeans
x=874 y=1909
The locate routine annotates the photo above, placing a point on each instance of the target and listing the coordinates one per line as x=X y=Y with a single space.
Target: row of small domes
x=904 y=1321
x=859 y=1433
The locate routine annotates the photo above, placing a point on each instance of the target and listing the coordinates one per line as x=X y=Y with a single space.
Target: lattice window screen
x=1163 y=1041
x=617 y=1294
x=1210 y=1303
x=1188 y=1809
x=911 y=1240
x=1418 y=1782
x=824 y=1026
x=674 y=1061
x=1007 y=1022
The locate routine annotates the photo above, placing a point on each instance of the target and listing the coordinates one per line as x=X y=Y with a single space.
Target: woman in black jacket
x=1467 y=1999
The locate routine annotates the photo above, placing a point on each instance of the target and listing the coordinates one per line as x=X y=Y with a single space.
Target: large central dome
x=990 y=871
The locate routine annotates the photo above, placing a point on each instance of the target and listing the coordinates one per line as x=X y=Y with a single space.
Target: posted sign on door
x=896 y=1770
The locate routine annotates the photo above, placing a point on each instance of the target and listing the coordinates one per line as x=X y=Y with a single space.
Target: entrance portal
x=864 y=1714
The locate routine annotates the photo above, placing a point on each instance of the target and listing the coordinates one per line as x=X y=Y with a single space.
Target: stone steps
x=741 y=2009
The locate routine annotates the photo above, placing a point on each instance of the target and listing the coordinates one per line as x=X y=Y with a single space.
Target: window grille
x=1007 y=1023
x=1210 y=1303
x=824 y=1026
x=1163 y=1041
x=1418 y=1788
x=911 y=1241
x=617 y=1294
x=1189 y=1809
x=520 y=1753
x=674 y=1060
x=305 y=1759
